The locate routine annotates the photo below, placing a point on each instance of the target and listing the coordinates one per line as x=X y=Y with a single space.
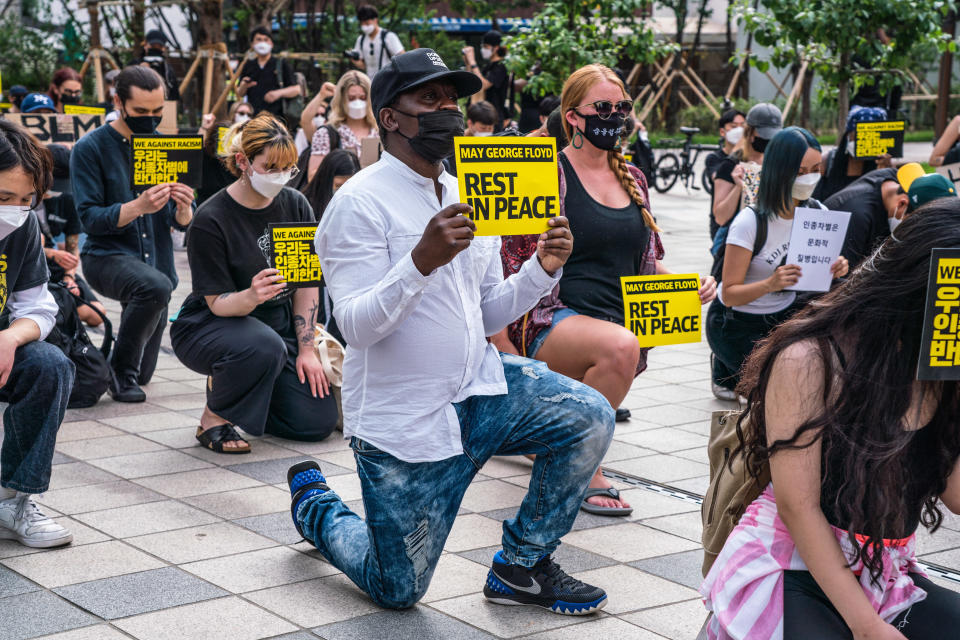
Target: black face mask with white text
x=435 y=133
x=603 y=134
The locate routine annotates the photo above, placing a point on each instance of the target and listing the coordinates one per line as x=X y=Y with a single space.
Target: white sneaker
x=722 y=393
x=21 y=520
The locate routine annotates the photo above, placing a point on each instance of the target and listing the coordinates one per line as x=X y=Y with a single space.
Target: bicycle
x=668 y=167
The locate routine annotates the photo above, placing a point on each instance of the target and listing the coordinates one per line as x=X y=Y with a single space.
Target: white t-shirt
x=743 y=233
x=370 y=48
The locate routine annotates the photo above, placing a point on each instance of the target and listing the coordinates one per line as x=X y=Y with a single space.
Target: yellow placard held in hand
x=510 y=182
x=292 y=253
x=82 y=109
x=662 y=310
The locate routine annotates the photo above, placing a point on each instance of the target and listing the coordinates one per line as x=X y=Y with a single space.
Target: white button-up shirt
x=417 y=343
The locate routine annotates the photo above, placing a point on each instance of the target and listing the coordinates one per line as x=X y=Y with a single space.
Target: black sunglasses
x=605 y=108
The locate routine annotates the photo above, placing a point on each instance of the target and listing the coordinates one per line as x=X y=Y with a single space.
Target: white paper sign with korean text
x=815 y=242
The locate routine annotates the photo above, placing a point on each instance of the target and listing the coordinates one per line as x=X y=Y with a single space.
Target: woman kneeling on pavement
x=242 y=326
x=860 y=454
x=578 y=330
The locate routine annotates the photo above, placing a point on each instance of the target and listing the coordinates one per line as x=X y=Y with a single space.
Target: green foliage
x=568 y=34
x=26 y=56
x=835 y=34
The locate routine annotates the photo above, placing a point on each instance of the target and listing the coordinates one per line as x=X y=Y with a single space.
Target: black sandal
x=214 y=437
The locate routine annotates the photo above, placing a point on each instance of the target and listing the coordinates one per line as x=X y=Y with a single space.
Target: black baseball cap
x=412 y=69
x=155 y=36
x=493 y=38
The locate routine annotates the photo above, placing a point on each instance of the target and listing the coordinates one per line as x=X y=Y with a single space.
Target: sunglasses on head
x=605 y=108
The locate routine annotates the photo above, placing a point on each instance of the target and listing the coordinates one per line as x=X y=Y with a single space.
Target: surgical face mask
x=852 y=148
x=12 y=218
x=319 y=121
x=804 y=185
x=483 y=134
x=356 y=109
x=894 y=223
x=603 y=134
x=368 y=28
x=241 y=117
x=486 y=53
x=262 y=48
x=142 y=124
x=435 y=134
x=269 y=184
x=733 y=136
x=113 y=92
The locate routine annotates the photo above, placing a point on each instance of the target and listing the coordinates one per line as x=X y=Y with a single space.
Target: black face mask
x=759 y=144
x=142 y=124
x=65 y=99
x=603 y=134
x=437 y=129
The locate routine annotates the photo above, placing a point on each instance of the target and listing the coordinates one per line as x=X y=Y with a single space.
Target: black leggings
x=808 y=613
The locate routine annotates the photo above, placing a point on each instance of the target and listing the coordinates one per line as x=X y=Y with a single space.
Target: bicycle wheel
x=665 y=172
x=706 y=182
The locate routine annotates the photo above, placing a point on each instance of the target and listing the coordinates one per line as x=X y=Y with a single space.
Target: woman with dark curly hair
x=860 y=454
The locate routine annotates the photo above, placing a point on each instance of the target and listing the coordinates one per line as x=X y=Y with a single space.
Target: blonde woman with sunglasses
x=578 y=330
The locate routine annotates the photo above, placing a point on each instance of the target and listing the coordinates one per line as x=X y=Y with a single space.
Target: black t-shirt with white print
x=22 y=263
x=228 y=244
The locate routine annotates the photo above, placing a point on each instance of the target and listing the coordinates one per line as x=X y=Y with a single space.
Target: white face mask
x=644 y=136
x=12 y=218
x=269 y=184
x=319 y=121
x=852 y=148
x=894 y=223
x=240 y=117
x=735 y=135
x=113 y=92
x=483 y=133
x=356 y=109
x=804 y=185
x=263 y=48
x=368 y=28
x=486 y=53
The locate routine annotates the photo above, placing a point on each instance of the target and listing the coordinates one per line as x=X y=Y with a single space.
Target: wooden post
x=775 y=83
x=651 y=103
x=98 y=75
x=697 y=92
x=207 y=81
x=190 y=72
x=945 y=76
x=702 y=85
x=736 y=77
x=797 y=86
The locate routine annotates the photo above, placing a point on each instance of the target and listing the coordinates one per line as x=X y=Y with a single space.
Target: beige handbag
x=330 y=352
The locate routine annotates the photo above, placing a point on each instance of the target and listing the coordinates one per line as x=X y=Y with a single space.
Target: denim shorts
x=537 y=342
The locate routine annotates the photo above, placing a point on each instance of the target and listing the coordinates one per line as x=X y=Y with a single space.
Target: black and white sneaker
x=544 y=584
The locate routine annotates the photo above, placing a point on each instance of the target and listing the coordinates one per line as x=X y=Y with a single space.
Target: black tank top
x=607 y=243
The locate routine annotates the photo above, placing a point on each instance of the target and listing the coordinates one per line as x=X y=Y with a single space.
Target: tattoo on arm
x=72 y=243
x=224 y=296
x=304 y=326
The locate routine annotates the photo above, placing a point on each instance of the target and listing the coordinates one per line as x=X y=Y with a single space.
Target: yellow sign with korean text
x=511 y=183
x=158 y=159
x=293 y=253
x=221 y=135
x=940 y=344
x=662 y=310
x=82 y=109
x=875 y=139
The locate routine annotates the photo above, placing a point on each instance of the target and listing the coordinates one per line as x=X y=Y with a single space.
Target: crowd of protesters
x=536 y=356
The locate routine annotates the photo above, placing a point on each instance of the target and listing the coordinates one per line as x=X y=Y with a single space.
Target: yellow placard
x=875 y=139
x=6 y=105
x=159 y=159
x=80 y=109
x=221 y=134
x=662 y=310
x=293 y=253
x=511 y=183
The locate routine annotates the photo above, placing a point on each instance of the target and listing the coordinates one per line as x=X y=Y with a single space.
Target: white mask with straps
x=733 y=136
x=269 y=184
x=12 y=218
x=356 y=109
x=894 y=223
x=804 y=185
x=367 y=28
x=262 y=48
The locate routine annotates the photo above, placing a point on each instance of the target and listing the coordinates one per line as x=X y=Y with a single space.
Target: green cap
x=932 y=186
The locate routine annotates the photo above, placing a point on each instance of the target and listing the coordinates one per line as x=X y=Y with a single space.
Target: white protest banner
x=815 y=242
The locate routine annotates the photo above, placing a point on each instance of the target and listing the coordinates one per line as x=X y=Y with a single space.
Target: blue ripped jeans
x=410 y=507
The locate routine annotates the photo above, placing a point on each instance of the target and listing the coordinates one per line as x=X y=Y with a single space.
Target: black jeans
x=732 y=336
x=808 y=613
x=253 y=376
x=38 y=390
x=143 y=293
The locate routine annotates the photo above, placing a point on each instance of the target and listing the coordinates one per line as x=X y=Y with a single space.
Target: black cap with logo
x=412 y=69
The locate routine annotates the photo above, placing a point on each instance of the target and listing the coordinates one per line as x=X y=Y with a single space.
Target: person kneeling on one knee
x=35 y=376
x=242 y=325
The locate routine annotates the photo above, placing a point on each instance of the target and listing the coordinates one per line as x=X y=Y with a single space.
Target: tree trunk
x=210 y=32
x=805 y=108
x=843 y=97
x=943 y=84
x=137 y=28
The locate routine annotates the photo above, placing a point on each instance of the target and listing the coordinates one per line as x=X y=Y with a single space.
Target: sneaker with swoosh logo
x=544 y=584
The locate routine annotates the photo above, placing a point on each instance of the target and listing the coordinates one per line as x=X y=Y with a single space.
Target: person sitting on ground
x=351 y=120
x=66 y=87
x=731 y=127
x=841 y=167
x=427 y=401
x=753 y=298
x=860 y=454
x=35 y=376
x=578 y=329
x=242 y=325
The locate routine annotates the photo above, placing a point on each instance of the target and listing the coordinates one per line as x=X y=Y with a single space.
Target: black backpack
x=717 y=269
x=94 y=374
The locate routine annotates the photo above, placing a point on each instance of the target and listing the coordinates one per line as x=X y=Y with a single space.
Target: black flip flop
x=597 y=510
x=214 y=437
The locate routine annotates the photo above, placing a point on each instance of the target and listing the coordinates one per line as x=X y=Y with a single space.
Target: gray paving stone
x=142 y=592
x=572 y=559
x=418 y=622
x=682 y=568
x=39 y=613
x=275 y=471
x=59 y=458
x=299 y=635
x=276 y=526
x=13 y=584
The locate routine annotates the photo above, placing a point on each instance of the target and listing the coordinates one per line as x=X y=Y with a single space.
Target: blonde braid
x=619 y=166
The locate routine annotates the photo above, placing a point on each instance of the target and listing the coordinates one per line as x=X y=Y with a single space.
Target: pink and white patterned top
x=320 y=145
x=744 y=588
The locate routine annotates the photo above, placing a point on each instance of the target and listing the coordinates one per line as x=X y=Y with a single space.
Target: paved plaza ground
x=172 y=541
